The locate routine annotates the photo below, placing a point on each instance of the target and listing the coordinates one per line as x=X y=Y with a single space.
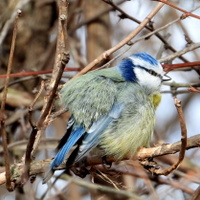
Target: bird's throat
x=156 y=98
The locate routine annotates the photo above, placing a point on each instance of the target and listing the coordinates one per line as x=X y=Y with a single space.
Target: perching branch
x=143 y=154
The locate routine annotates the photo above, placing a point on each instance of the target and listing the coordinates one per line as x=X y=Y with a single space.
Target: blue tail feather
x=73 y=138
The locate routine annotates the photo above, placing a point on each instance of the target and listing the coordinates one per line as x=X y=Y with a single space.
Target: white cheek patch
x=147 y=80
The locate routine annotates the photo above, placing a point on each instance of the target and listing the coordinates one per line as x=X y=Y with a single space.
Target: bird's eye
x=154 y=73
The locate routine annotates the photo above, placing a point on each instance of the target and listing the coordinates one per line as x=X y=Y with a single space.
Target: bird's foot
x=106 y=163
x=80 y=169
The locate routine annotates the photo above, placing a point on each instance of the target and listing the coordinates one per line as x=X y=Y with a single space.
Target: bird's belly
x=124 y=137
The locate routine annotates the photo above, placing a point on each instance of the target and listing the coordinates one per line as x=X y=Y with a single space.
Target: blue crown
x=146 y=57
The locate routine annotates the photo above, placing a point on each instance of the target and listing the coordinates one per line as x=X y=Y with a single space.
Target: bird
x=112 y=108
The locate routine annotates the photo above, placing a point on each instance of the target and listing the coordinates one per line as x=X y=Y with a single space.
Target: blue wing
x=92 y=137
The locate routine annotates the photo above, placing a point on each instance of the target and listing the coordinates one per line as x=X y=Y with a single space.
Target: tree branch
x=3 y=103
x=143 y=154
x=61 y=52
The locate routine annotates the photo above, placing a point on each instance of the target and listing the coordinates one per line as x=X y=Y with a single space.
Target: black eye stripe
x=152 y=72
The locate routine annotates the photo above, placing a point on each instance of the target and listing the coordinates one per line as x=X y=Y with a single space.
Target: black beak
x=166 y=78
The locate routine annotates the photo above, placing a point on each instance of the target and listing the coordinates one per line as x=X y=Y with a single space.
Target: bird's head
x=143 y=69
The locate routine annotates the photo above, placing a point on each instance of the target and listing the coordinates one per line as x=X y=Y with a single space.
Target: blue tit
x=112 y=108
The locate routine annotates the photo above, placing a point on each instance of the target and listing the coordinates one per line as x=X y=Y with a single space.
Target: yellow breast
x=156 y=98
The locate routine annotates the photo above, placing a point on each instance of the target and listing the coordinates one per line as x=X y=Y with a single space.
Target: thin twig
x=101 y=188
x=192 y=89
x=3 y=103
x=10 y=21
x=186 y=13
x=59 y=66
x=30 y=109
x=190 y=47
x=37 y=73
x=170 y=67
x=180 y=85
x=107 y=53
x=142 y=38
x=137 y=173
x=176 y=92
x=131 y=43
x=23 y=79
x=196 y=194
x=155 y=32
x=167 y=45
x=21 y=144
x=58 y=113
x=93 y=18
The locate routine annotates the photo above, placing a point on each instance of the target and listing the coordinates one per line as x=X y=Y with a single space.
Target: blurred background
x=93 y=27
